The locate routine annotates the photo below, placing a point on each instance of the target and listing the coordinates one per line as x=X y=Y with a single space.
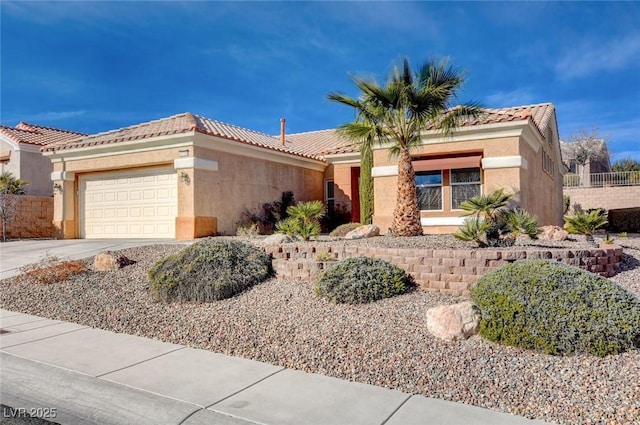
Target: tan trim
x=63 y=175
x=504 y=162
x=384 y=171
x=442 y=221
x=197 y=163
x=447 y=163
x=343 y=158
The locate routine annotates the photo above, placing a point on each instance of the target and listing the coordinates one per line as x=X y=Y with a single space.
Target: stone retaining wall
x=32 y=218
x=450 y=271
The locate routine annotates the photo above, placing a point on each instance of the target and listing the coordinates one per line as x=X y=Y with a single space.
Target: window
x=330 y=196
x=429 y=190
x=465 y=184
x=548 y=164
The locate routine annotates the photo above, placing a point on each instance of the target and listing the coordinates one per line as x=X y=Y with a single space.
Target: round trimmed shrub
x=559 y=309
x=362 y=280
x=209 y=270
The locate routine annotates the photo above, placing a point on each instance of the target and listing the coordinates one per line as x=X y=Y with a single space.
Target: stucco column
x=194 y=218
x=64 y=215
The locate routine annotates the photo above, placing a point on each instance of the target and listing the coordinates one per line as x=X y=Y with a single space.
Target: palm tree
x=397 y=112
x=486 y=206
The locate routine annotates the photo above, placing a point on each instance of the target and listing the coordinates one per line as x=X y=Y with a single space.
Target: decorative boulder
x=553 y=233
x=276 y=239
x=454 y=322
x=361 y=232
x=107 y=260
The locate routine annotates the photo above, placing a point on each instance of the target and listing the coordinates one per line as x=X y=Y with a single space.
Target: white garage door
x=128 y=204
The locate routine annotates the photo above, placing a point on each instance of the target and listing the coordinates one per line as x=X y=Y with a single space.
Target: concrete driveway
x=16 y=254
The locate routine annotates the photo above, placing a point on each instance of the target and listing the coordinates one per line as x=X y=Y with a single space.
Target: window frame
x=451 y=184
x=326 y=195
x=441 y=185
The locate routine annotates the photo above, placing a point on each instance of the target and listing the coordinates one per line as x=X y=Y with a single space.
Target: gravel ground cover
x=385 y=343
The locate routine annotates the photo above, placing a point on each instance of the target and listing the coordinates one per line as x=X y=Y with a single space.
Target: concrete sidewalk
x=91 y=376
x=16 y=254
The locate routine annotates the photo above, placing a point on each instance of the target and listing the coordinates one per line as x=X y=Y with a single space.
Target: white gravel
x=384 y=343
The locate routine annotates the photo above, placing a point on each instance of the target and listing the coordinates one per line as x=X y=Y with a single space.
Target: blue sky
x=96 y=66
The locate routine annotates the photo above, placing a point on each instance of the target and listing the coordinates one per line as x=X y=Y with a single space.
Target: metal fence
x=624 y=178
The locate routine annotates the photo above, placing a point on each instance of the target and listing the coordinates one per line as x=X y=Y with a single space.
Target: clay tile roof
x=37 y=134
x=176 y=124
x=540 y=115
x=179 y=124
x=322 y=142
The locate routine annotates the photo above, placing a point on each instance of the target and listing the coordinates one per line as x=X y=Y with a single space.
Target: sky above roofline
x=96 y=66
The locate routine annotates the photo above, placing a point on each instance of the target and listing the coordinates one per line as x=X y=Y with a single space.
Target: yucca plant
x=303 y=220
x=586 y=223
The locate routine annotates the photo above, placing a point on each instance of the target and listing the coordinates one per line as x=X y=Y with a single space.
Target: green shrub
x=209 y=270
x=343 y=229
x=362 y=280
x=549 y=306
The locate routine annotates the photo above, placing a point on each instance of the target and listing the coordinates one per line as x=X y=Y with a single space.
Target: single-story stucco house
x=187 y=176
x=20 y=154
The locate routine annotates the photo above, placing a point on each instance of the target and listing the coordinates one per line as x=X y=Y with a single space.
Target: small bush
x=51 y=270
x=549 y=306
x=362 y=280
x=209 y=270
x=324 y=256
x=250 y=231
x=343 y=229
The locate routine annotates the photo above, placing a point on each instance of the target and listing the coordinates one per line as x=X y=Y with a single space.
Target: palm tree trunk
x=406 y=215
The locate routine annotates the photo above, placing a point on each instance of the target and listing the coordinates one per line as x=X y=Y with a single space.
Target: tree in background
x=585 y=147
x=10 y=186
x=626 y=164
x=396 y=113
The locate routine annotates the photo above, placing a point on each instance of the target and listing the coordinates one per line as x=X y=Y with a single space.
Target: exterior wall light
x=184 y=177
x=57 y=187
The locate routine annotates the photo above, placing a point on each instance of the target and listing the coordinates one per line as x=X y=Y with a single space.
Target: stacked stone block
x=32 y=218
x=444 y=270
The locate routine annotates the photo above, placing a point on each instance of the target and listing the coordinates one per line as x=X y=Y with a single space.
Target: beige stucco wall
x=245 y=182
x=32 y=167
x=385 y=187
x=341 y=176
x=541 y=193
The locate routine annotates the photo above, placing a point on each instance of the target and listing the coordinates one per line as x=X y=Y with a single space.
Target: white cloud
x=593 y=56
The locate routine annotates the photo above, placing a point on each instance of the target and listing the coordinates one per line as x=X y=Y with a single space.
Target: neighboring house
x=20 y=154
x=581 y=174
x=188 y=176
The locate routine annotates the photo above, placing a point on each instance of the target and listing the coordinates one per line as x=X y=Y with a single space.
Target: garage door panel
x=129 y=204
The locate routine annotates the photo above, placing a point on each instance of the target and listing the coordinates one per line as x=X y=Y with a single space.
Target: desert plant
x=303 y=220
x=559 y=309
x=343 y=229
x=362 y=280
x=473 y=230
x=250 y=231
x=209 y=270
x=520 y=222
x=586 y=223
x=51 y=269
x=623 y=235
x=492 y=223
x=566 y=204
